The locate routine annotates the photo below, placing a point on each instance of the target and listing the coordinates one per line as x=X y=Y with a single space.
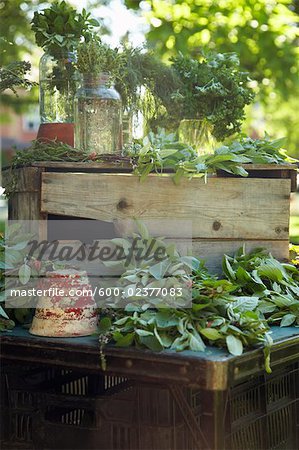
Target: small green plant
x=213 y=88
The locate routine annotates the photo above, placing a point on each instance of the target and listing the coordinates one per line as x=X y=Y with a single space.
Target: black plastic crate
x=64 y=409
x=263 y=412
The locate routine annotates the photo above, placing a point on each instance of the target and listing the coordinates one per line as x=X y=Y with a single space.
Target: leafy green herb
x=233 y=312
x=60 y=28
x=274 y=284
x=161 y=151
x=215 y=89
x=95 y=57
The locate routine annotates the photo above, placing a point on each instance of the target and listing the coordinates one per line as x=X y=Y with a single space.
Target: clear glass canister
x=58 y=83
x=198 y=134
x=98 y=116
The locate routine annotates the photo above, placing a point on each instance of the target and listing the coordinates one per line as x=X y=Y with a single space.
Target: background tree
x=17 y=44
x=263 y=32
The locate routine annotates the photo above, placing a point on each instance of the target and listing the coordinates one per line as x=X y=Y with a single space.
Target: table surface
x=213 y=369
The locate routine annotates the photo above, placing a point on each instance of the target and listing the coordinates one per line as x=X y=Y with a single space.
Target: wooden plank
x=268 y=171
x=125 y=162
x=209 y=250
x=26 y=179
x=270 y=166
x=222 y=208
x=115 y=163
x=294 y=180
x=212 y=251
x=24 y=203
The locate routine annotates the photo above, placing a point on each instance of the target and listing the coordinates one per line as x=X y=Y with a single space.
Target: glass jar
x=98 y=116
x=198 y=134
x=58 y=83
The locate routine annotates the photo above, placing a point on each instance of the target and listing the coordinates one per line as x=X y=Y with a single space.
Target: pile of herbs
x=159 y=152
x=275 y=285
x=162 y=151
x=213 y=88
x=42 y=151
x=234 y=311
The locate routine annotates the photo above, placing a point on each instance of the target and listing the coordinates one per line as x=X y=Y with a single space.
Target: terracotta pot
x=65 y=309
x=62 y=132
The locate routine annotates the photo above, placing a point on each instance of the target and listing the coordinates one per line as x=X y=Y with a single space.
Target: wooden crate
x=225 y=211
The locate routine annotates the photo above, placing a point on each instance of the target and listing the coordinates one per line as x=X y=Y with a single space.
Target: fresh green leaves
x=161 y=151
x=60 y=27
x=234 y=312
x=274 y=284
x=234 y=345
x=214 y=89
x=95 y=57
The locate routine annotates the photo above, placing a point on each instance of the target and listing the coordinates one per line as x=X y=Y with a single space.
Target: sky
x=119 y=20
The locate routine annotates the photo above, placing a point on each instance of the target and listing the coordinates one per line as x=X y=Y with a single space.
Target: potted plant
x=58 y=30
x=212 y=97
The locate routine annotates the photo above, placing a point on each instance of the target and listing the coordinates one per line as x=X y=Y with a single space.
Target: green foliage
x=12 y=256
x=274 y=284
x=16 y=36
x=17 y=268
x=130 y=69
x=144 y=278
x=161 y=151
x=264 y=34
x=233 y=312
x=16 y=42
x=214 y=89
x=143 y=68
x=95 y=57
x=60 y=28
x=13 y=76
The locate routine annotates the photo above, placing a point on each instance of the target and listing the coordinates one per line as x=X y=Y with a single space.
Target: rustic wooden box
x=225 y=211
